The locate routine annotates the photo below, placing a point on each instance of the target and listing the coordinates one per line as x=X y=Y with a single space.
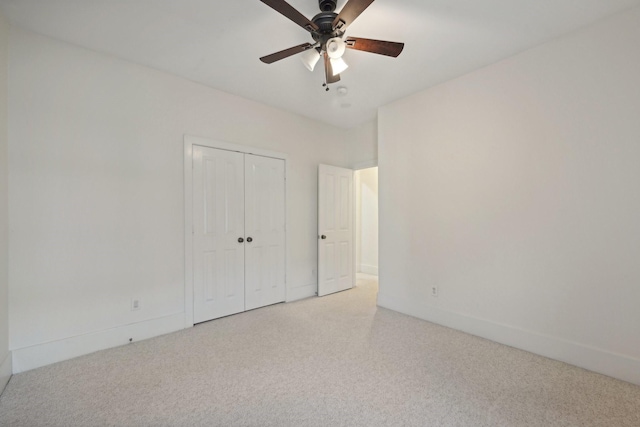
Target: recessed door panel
x=344 y=207
x=344 y=258
x=210 y=277
x=329 y=202
x=210 y=204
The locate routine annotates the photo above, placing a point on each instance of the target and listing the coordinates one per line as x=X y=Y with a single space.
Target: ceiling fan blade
x=328 y=71
x=290 y=12
x=375 y=46
x=270 y=59
x=350 y=12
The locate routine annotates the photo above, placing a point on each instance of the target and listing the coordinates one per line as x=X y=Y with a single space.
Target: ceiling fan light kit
x=338 y=66
x=310 y=58
x=336 y=47
x=328 y=32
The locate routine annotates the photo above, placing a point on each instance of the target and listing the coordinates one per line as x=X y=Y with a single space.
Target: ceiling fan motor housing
x=324 y=21
x=327 y=5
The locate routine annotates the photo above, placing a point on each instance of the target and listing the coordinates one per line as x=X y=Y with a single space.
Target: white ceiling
x=218 y=43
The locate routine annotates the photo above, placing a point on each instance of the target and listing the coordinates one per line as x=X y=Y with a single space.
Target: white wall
x=366 y=181
x=515 y=190
x=96 y=189
x=5 y=358
x=363 y=145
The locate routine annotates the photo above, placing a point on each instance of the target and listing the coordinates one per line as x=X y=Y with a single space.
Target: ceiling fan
x=328 y=31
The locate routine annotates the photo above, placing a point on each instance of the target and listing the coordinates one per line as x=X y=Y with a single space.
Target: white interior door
x=218 y=213
x=265 y=231
x=335 y=230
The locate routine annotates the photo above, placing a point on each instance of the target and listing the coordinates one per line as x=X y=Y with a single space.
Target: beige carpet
x=332 y=361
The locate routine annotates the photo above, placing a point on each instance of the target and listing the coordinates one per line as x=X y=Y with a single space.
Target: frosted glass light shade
x=310 y=58
x=336 y=47
x=338 y=65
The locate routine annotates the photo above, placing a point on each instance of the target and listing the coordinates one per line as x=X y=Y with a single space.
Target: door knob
x=323 y=237
x=240 y=240
x=249 y=239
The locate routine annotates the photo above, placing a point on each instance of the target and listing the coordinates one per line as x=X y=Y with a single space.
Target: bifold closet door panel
x=218 y=206
x=265 y=231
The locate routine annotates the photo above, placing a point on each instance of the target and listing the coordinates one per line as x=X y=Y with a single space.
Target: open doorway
x=366 y=198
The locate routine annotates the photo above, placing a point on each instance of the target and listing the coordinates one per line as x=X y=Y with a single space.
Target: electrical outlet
x=135 y=304
x=434 y=291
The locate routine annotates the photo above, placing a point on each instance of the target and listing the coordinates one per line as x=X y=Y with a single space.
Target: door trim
x=189 y=142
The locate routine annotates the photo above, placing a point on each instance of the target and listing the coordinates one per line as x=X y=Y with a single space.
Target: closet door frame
x=189 y=142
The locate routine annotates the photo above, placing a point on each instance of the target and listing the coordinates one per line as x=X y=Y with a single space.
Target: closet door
x=218 y=206
x=265 y=231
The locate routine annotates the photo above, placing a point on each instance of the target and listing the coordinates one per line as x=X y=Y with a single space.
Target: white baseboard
x=301 y=292
x=604 y=362
x=369 y=269
x=35 y=356
x=5 y=371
